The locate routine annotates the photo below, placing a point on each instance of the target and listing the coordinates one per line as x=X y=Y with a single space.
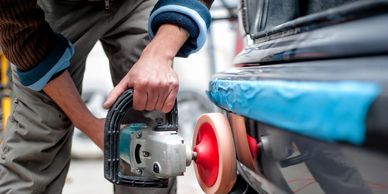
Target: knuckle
x=164 y=84
x=171 y=82
x=175 y=85
x=155 y=84
x=135 y=82
x=169 y=105
x=142 y=82
x=140 y=88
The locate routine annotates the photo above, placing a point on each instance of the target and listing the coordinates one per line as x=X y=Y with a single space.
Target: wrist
x=86 y=123
x=156 y=52
x=93 y=127
x=166 y=43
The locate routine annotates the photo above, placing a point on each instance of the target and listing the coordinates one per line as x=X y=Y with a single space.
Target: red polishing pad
x=207 y=154
x=215 y=164
x=253 y=146
x=246 y=146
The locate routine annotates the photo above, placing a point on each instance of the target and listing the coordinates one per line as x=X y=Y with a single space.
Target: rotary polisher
x=156 y=153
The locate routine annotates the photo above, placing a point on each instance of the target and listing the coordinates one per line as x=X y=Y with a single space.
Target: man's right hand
x=154 y=81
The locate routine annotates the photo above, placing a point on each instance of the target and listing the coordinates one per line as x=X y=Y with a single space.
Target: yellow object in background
x=5 y=92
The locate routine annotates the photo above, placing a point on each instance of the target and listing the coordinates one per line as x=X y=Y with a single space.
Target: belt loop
x=107 y=5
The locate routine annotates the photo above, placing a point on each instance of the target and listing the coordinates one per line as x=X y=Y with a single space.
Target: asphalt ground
x=86 y=176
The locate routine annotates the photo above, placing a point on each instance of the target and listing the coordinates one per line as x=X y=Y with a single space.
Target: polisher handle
x=111 y=146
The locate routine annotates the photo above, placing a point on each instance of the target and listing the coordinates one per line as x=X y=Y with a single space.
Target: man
x=49 y=48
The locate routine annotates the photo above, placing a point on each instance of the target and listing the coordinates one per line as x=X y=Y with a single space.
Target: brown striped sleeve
x=25 y=36
x=208 y=3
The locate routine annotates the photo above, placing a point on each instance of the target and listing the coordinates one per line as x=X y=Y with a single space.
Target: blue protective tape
x=333 y=111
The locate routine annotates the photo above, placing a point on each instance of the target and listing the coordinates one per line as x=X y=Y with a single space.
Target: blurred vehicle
x=307 y=103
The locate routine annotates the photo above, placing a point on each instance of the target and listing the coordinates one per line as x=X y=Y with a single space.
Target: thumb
x=114 y=94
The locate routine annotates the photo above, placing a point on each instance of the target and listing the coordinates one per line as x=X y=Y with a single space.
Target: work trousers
x=35 y=153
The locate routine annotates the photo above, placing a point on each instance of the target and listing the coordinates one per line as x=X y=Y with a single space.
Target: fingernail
x=106 y=105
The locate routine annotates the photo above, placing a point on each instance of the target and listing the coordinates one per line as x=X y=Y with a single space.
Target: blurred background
x=86 y=169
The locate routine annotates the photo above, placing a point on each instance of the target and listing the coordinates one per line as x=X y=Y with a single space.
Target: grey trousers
x=35 y=153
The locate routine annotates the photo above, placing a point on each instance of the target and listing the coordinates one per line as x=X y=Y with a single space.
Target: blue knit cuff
x=191 y=15
x=56 y=61
x=182 y=21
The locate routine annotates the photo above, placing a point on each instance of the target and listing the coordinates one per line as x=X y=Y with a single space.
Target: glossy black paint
x=321 y=43
x=341 y=33
x=322 y=167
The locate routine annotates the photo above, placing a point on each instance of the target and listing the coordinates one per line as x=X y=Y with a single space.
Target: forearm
x=167 y=42
x=64 y=93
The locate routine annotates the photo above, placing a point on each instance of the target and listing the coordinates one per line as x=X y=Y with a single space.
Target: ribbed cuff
x=191 y=15
x=180 y=20
x=56 y=61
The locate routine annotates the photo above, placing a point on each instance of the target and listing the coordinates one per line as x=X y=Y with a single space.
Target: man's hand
x=154 y=81
x=155 y=85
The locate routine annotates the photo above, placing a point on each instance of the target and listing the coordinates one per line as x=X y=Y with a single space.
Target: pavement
x=86 y=176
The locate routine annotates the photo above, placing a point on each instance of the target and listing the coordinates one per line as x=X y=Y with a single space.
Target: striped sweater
x=27 y=40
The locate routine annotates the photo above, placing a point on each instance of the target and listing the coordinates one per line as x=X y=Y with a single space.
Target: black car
x=308 y=102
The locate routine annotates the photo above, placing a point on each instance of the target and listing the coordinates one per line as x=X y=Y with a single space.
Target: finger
x=170 y=101
x=163 y=94
x=139 y=98
x=152 y=97
x=114 y=94
x=165 y=91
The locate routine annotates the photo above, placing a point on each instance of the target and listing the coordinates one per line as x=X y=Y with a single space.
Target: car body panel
x=345 y=43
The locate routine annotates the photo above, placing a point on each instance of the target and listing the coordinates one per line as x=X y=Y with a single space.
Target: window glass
x=261 y=15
